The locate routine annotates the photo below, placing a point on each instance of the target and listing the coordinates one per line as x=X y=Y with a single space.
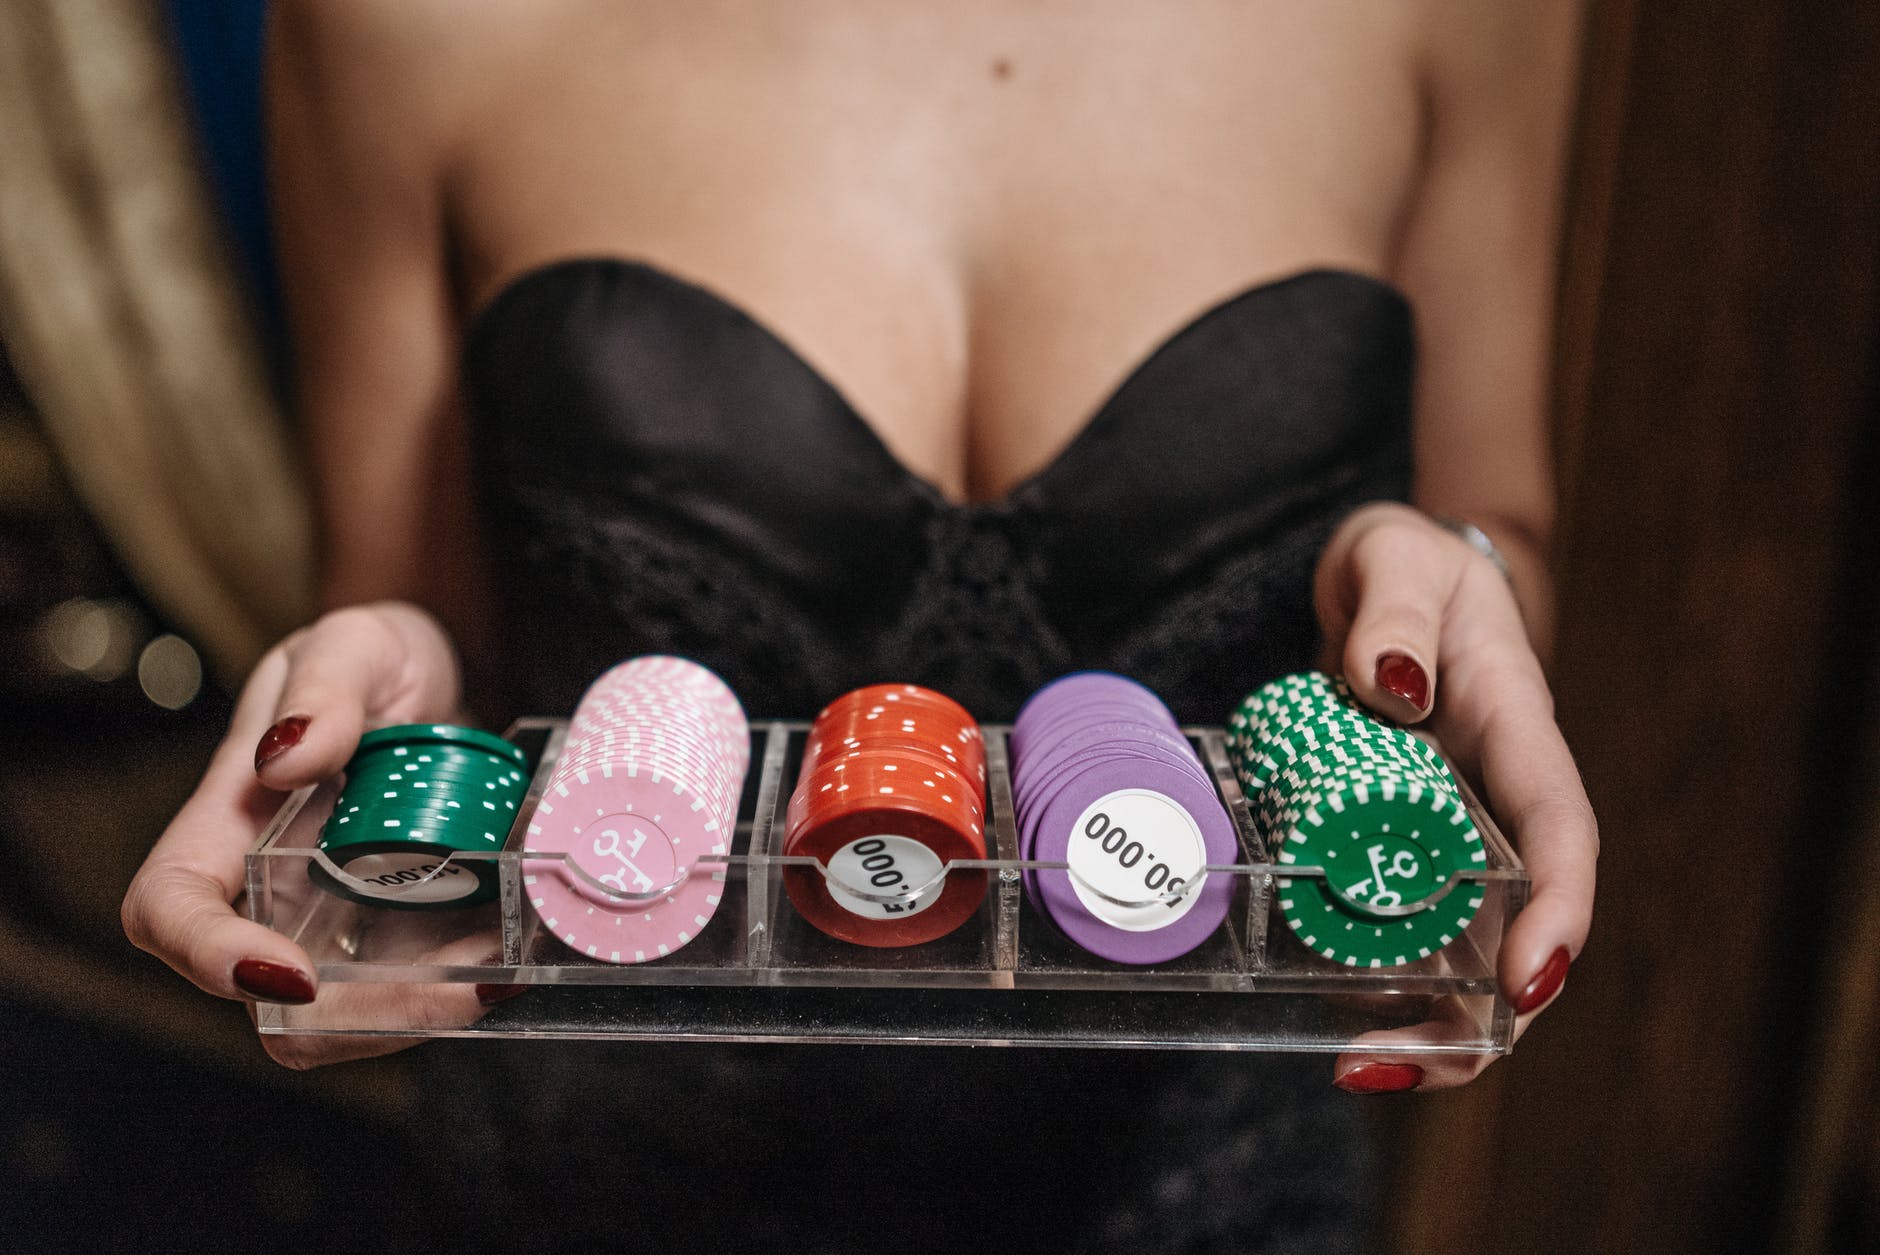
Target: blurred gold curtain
x=120 y=308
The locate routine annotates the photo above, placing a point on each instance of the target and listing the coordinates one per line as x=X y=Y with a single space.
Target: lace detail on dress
x=973 y=624
x=592 y=586
x=1251 y=620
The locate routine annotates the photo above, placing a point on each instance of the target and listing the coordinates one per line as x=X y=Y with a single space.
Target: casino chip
x=620 y=860
x=1332 y=786
x=892 y=789
x=415 y=794
x=1104 y=780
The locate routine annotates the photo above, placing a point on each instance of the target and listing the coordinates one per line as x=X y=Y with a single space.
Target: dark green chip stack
x=416 y=794
x=1333 y=786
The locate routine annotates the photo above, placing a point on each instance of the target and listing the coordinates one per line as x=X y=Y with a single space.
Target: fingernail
x=273 y=982
x=1546 y=982
x=1380 y=1078
x=282 y=737
x=1402 y=675
x=490 y=995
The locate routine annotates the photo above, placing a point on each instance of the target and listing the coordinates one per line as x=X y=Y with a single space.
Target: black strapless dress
x=661 y=473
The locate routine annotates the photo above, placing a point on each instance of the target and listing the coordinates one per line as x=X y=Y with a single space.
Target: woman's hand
x=298 y=721
x=1428 y=632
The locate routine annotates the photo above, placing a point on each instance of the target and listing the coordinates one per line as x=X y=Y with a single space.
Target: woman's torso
x=974 y=218
x=1034 y=336
x=704 y=255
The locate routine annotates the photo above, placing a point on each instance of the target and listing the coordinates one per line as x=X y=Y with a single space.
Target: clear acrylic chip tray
x=759 y=972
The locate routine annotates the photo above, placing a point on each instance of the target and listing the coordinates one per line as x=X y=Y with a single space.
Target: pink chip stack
x=647 y=785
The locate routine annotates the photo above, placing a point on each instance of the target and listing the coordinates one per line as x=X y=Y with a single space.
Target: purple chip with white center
x=1104 y=780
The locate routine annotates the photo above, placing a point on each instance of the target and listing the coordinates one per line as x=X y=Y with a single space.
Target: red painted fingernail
x=1546 y=982
x=1380 y=1078
x=273 y=982
x=1401 y=674
x=282 y=737
x=490 y=995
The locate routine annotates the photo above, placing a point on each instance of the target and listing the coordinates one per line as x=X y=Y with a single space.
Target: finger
x=423 y=1008
x=1536 y=786
x=1405 y=578
x=1378 y=1064
x=352 y=666
x=1533 y=789
x=1334 y=584
x=184 y=918
x=178 y=906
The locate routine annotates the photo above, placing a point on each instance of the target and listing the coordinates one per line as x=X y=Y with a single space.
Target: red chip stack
x=892 y=789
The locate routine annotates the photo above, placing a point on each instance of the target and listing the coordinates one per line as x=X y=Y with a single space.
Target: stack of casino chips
x=647 y=785
x=414 y=795
x=1333 y=786
x=892 y=789
x=1104 y=780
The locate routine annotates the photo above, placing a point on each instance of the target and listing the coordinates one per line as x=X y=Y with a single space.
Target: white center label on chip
x=627 y=853
x=1135 y=845
x=884 y=865
x=401 y=877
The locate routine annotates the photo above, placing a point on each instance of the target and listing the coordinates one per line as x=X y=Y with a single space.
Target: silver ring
x=1476 y=539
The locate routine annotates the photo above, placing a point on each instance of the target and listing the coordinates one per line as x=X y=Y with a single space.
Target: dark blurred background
x=1706 y=1083
x=152 y=537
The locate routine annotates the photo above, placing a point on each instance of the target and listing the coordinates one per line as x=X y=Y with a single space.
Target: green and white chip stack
x=416 y=794
x=1333 y=786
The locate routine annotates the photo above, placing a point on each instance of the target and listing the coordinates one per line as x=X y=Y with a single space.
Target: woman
x=797 y=338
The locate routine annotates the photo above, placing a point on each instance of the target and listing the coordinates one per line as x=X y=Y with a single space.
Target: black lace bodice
x=661 y=472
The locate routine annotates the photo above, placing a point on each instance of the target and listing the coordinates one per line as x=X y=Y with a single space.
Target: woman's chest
x=973 y=219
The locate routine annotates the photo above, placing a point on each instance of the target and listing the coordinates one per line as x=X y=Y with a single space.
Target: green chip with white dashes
x=409 y=806
x=1332 y=786
x=1386 y=852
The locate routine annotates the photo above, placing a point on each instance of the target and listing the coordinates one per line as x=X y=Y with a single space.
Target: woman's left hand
x=1427 y=631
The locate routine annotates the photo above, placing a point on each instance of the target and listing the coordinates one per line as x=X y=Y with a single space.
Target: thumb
x=350 y=668
x=1386 y=589
x=178 y=908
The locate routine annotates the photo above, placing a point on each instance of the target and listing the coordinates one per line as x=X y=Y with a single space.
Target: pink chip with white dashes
x=647 y=786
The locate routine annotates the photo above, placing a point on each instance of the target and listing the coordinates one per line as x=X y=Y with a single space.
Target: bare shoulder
x=366 y=104
x=389 y=75
x=1477 y=47
x=336 y=34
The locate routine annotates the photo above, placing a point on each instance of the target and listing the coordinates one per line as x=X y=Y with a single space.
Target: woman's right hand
x=298 y=722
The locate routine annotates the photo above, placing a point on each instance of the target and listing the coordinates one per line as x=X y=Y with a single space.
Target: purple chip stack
x=1104 y=780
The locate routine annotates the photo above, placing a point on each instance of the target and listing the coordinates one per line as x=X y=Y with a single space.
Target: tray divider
x=1002 y=919
x=766 y=832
